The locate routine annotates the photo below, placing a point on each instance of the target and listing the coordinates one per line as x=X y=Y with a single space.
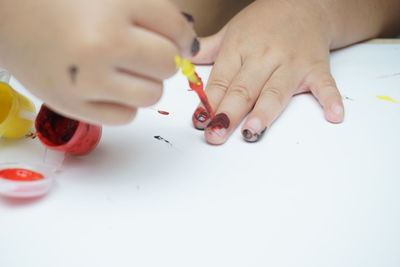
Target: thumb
x=209 y=48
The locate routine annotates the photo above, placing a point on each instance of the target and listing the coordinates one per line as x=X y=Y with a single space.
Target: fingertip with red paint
x=200 y=118
x=216 y=132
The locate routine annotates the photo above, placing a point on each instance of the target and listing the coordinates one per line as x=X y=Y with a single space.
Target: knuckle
x=153 y=97
x=240 y=91
x=218 y=85
x=274 y=94
x=327 y=81
x=120 y=116
x=94 y=43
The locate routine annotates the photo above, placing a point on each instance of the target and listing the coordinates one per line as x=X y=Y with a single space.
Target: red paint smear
x=220 y=121
x=198 y=88
x=54 y=128
x=21 y=175
x=163 y=112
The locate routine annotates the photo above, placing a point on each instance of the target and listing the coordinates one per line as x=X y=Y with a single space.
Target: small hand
x=269 y=52
x=94 y=60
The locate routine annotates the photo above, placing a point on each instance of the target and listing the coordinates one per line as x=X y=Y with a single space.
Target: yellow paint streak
x=387 y=98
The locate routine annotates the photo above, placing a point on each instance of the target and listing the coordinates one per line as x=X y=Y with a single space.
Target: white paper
x=310 y=193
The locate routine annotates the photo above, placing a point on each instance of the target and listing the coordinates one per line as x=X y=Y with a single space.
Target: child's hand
x=94 y=60
x=269 y=52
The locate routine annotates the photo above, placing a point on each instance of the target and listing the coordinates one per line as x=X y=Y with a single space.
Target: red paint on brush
x=20 y=175
x=220 y=121
x=198 y=88
x=162 y=112
x=64 y=134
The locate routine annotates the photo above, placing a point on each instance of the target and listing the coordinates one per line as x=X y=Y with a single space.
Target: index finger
x=163 y=18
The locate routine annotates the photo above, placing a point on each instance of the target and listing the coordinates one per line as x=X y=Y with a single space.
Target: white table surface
x=310 y=193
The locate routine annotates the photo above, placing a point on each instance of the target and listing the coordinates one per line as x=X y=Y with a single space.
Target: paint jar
x=64 y=134
x=17 y=112
x=19 y=180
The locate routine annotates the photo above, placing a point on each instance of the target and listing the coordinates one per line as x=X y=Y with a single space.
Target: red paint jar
x=64 y=134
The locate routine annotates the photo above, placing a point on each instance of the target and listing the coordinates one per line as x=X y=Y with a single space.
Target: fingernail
x=188 y=17
x=195 y=47
x=337 y=109
x=251 y=137
x=200 y=117
x=217 y=129
x=220 y=121
x=253 y=130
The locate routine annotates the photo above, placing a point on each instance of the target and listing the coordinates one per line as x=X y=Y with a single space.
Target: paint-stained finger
x=225 y=68
x=165 y=19
x=273 y=99
x=240 y=98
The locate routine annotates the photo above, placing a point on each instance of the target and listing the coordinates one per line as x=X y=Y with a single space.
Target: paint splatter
x=31 y=135
x=162 y=139
x=163 y=112
x=348 y=98
x=387 y=98
x=73 y=72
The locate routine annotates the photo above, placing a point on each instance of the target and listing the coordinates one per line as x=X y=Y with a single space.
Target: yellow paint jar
x=17 y=113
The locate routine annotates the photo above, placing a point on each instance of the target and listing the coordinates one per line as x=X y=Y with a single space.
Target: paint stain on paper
x=389 y=75
x=162 y=139
x=31 y=135
x=163 y=112
x=387 y=98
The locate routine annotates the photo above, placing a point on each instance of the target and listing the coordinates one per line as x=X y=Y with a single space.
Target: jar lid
x=19 y=180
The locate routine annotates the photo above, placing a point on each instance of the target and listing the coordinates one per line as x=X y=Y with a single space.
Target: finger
x=272 y=100
x=126 y=89
x=107 y=113
x=226 y=66
x=145 y=53
x=100 y=113
x=239 y=99
x=210 y=47
x=323 y=86
x=165 y=19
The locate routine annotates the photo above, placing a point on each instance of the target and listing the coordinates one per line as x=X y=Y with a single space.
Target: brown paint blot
x=220 y=121
x=31 y=135
x=251 y=137
x=162 y=112
x=73 y=72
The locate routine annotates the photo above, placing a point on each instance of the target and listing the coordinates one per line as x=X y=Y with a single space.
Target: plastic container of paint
x=17 y=113
x=60 y=133
x=18 y=180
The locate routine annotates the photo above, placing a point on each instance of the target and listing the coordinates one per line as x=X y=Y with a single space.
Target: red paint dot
x=163 y=112
x=21 y=175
